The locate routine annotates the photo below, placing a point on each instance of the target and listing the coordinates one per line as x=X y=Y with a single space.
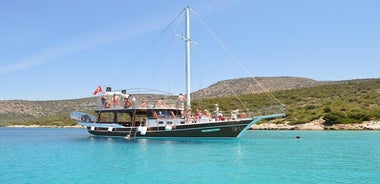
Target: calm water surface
x=39 y=155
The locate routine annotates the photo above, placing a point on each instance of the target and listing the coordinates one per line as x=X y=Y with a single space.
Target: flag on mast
x=97 y=90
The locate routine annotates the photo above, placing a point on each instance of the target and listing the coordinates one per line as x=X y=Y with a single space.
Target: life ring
x=128 y=103
x=85 y=118
x=107 y=105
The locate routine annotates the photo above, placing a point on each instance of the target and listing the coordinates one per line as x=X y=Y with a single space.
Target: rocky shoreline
x=318 y=125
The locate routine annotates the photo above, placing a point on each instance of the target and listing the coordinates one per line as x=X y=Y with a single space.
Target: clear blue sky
x=51 y=50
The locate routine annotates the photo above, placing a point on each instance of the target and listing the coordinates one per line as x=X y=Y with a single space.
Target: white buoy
x=143 y=130
x=139 y=128
x=110 y=129
x=168 y=128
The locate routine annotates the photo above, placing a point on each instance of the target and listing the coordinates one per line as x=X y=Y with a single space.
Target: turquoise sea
x=64 y=155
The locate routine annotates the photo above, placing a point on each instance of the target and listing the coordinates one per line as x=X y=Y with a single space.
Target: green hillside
x=343 y=102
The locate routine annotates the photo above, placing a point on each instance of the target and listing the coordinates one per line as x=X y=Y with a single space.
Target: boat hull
x=211 y=129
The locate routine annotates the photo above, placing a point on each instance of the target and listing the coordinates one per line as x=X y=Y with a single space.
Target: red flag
x=97 y=90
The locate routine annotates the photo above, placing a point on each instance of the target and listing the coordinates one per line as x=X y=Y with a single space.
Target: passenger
x=197 y=114
x=103 y=99
x=243 y=115
x=115 y=100
x=159 y=103
x=206 y=113
x=216 y=112
x=173 y=114
x=221 y=117
x=205 y=117
x=188 y=117
x=105 y=102
x=128 y=103
x=132 y=98
x=181 y=100
x=144 y=103
x=234 y=114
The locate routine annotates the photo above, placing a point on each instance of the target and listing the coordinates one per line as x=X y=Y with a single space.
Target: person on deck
x=127 y=103
x=206 y=113
x=104 y=100
x=132 y=98
x=188 y=116
x=159 y=102
x=216 y=112
x=115 y=100
x=197 y=115
x=181 y=100
x=144 y=103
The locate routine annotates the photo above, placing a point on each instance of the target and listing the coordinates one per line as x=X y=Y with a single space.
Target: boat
x=136 y=113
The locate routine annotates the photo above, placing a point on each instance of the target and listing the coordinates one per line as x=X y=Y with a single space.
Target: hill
x=341 y=102
x=352 y=101
x=54 y=112
x=252 y=85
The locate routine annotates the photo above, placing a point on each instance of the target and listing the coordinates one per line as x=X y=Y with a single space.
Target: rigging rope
x=130 y=67
x=178 y=19
x=236 y=59
x=127 y=69
x=233 y=91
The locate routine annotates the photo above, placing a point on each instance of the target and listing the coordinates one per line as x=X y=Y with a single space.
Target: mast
x=187 y=39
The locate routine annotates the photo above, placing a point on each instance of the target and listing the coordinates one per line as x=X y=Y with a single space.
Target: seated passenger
x=221 y=117
x=144 y=103
x=198 y=114
x=159 y=103
x=234 y=114
x=127 y=103
x=243 y=115
x=132 y=98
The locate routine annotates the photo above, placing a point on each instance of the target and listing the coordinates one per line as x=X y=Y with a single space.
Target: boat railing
x=158 y=103
x=144 y=100
x=138 y=98
x=140 y=102
x=252 y=113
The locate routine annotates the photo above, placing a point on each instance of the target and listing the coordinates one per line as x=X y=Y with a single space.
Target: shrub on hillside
x=333 y=118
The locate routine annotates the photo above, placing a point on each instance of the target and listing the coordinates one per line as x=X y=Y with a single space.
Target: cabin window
x=161 y=114
x=106 y=117
x=123 y=117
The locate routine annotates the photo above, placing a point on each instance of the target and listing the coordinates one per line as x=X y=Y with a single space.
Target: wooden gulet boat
x=148 y=114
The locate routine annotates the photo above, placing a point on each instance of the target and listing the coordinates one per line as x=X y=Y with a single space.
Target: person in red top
x=115 y=100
